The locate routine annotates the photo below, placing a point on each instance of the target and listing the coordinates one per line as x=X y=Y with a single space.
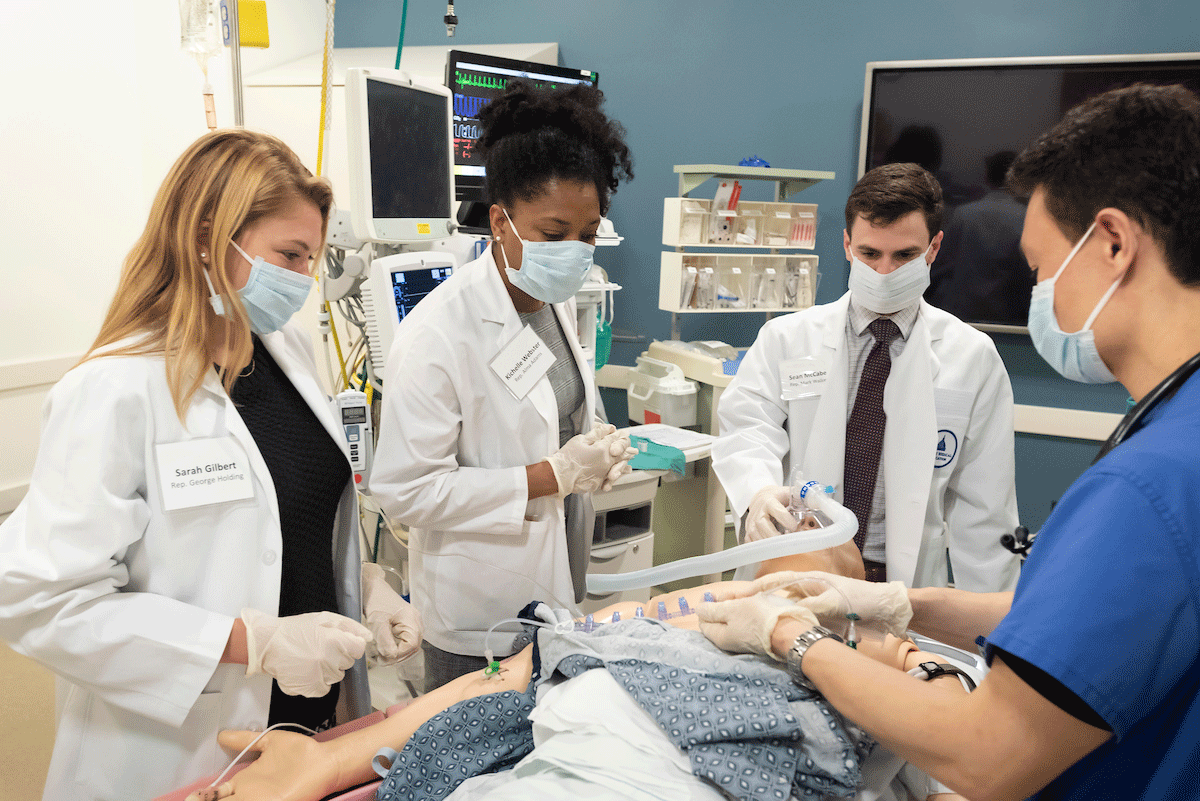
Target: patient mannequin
x=841 y=560
x=294 y=767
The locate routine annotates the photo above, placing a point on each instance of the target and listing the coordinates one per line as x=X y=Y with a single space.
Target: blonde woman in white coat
x=947 y=462
x=488 y=447
x=156 y=564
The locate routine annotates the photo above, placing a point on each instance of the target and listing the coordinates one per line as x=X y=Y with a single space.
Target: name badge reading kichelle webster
x=522 y=362
x=199 y=472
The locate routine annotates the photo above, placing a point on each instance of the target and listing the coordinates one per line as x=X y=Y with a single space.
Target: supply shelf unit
x=775 y=244
x=776 y=277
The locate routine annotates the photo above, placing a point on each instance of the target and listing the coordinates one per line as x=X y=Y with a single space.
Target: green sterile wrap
x=653 y=456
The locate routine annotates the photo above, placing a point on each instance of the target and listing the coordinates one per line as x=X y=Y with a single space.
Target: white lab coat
x=450 y=463
x=948 y=388
x=132 y=605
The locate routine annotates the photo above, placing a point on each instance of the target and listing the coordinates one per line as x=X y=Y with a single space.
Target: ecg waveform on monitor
x=479 y=81
x=468 y=106
x=474 y=81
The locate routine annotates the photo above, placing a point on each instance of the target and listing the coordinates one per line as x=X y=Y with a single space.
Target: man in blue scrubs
x=1095 y=660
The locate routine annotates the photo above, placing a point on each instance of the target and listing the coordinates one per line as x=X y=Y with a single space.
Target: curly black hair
x=531 y=136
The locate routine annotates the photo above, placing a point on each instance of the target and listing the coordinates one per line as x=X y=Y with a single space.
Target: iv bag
x=198 y=32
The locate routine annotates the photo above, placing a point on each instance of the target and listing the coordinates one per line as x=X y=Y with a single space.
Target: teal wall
x=701 y=82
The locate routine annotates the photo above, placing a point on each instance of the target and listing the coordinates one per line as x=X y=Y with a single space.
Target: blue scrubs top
x=1109 y=604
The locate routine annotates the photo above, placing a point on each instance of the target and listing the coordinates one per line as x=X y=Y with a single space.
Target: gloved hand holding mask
x=769 y=507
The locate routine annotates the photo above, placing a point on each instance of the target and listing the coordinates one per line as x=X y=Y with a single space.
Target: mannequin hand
x=307 y=654
x=884 y=604
x=768 y=507
x=395 y=624
x=585 y=462
x=745 y=625
x=289 y=767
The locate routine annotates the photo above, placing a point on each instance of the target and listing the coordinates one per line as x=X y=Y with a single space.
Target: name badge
x=803 y=377
x=199 y=472
x=522 y=362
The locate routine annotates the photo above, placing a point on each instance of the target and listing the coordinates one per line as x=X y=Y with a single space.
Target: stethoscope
x=1133 y=420
x=1020 y=541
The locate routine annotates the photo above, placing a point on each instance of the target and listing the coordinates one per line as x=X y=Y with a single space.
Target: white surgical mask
x=272 y=295
x=1073 y=356
x=889 y=293
x=550 y=271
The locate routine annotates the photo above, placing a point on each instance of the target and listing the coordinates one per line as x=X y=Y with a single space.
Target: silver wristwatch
x=796 y=654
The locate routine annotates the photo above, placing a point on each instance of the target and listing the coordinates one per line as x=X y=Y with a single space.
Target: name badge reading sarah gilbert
x=522 y=362
x=199 y=472
x=804 y=377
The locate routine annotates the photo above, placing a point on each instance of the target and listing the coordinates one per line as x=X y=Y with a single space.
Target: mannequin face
x=885 y=248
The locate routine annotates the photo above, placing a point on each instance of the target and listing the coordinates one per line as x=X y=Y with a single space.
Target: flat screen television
x=399 y=156
x=964 y=120
x=475 y=79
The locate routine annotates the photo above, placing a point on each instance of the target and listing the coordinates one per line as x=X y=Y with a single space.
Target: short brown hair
x=888 y=192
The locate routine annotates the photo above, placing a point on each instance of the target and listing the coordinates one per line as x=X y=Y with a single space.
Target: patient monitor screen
x=475 y=79
x=409 y=157
x=409 y=286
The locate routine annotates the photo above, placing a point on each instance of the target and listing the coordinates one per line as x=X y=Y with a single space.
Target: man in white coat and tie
x=903 y=408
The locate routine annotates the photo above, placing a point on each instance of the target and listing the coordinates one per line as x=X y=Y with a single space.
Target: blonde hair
x=225 y=181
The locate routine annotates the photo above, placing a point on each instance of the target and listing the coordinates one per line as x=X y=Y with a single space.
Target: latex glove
x=745 y=625
x=307 y=654
x=599 y=431
x=560 y=619
x=884 y=604
x=768 y=507
x=585 y=462
x=394 y=623
x=618 y=470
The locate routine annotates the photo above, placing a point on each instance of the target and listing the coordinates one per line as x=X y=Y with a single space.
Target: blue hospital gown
x=744 y=726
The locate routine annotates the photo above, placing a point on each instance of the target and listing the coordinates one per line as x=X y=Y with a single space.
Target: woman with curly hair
x=489 y=448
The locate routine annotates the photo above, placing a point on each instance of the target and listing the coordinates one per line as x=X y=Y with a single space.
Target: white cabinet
x=720 y=279
x=728 y=282
x=691 y=221
x=622 y=540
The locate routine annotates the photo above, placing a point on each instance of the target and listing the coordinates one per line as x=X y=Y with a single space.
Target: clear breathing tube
x=840 y=531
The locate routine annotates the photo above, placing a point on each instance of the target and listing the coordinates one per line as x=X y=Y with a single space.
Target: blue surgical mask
x=1073 y=356
x=272 y=295
x=887 y=293
x=550 y=271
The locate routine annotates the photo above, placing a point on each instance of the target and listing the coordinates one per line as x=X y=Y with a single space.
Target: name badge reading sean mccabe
x=522 y=362
x=199 y=472
x=804 y=377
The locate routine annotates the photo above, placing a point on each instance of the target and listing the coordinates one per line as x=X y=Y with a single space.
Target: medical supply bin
x=659 y=393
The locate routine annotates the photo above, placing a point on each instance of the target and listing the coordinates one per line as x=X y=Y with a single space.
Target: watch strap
x=795 y=655
x=927 y=671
